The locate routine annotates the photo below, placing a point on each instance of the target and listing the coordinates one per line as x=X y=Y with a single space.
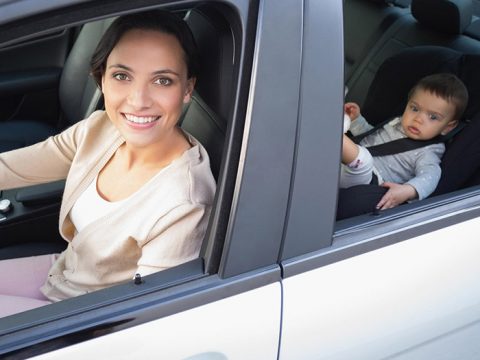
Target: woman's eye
x=163 y=81
x=120 y=76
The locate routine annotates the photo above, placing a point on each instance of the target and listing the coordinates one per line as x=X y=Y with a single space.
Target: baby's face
x=427 y=115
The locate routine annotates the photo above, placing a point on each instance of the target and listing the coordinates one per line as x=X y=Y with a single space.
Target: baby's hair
x=446 y=86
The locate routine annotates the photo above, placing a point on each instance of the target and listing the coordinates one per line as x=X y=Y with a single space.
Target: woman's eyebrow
x=125 y=67
x=155 y=73
x=166 y=71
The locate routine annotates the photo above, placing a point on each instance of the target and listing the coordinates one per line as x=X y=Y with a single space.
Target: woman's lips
x=140 y=122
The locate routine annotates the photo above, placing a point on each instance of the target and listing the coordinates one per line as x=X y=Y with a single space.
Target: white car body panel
x=410 y=300
x=245 y=326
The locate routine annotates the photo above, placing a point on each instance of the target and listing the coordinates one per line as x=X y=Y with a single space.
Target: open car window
x=40 y=49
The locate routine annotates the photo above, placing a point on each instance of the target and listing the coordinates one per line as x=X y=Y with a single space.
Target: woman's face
x=144 y=86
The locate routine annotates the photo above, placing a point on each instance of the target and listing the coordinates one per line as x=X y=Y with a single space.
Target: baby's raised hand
x=352 y=110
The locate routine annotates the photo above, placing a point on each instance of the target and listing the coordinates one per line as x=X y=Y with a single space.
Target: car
x=281 y=275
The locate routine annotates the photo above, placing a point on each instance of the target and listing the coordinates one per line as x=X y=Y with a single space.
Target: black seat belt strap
x=405 y=144
x=400 y=145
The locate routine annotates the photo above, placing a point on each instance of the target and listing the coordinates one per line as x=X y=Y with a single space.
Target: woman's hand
x=397 y=194
x=352 y=110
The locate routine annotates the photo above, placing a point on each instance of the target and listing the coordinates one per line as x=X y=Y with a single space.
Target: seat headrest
x=215 y=44
x=387 y=95
x=447 y=16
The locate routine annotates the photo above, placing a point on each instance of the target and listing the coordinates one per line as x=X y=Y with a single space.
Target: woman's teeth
x=141 y=119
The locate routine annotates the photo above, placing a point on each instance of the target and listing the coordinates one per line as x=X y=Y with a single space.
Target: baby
x=435 y=105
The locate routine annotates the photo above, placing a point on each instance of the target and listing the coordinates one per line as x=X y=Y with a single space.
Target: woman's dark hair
x=155 y=20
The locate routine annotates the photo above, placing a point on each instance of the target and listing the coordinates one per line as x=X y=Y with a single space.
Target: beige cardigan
x=161 y=226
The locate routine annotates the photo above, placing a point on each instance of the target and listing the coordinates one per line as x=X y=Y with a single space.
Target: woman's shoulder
x=192 y=176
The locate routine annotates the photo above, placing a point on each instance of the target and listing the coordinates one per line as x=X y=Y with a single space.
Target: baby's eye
x=120 y=76
x=163 y=81
x=433 y=117
x=413 y=108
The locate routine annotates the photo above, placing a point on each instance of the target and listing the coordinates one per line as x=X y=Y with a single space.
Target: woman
x=139 y=190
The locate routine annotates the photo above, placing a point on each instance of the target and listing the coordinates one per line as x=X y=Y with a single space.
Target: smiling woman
x=130 y=159
x=143 y=98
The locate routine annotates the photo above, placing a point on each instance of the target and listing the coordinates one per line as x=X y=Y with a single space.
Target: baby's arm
x=359 y=124
x=427 y=170
x=427 y=175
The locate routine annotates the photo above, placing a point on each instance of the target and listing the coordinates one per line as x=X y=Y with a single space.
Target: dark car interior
x=394 y=45
x=46 y=98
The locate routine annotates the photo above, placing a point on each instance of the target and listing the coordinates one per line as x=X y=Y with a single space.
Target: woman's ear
x=189 y=90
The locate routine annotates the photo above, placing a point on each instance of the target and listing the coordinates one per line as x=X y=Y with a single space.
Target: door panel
x=31 y=226
x=29 y=77
x=413 y=299
x=244 y=326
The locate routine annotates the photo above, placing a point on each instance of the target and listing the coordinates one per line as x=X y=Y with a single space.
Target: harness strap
x=405 y=144
x=401 y=145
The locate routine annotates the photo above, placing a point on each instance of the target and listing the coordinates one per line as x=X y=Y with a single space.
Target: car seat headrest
x=446 y=16
x=214 y=42
x=387 y=95
x=79 y=94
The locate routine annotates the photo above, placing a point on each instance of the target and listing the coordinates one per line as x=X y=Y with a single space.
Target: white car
x=279 y=277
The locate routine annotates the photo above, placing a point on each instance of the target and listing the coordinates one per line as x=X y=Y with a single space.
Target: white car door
x=244 y=326
x=416 y=299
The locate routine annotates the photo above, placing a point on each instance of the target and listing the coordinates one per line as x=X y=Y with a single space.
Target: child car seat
x=387 y=97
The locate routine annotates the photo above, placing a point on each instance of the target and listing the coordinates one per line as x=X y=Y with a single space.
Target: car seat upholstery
x=214 y=83
x=200 y=121
x=215 y=44
x=84 y=100
x=461 y=162
x=451 y=17
x=78 y=93
x=360 y=35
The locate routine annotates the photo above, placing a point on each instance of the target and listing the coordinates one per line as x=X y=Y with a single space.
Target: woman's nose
x=139 y=97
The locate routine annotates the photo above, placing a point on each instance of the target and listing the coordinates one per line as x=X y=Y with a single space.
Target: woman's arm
x=43 y=162
x=176 y=238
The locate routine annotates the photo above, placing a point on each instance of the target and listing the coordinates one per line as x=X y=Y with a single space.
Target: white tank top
x=90 y=206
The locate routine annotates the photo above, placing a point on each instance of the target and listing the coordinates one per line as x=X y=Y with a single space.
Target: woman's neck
x=156 y=155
